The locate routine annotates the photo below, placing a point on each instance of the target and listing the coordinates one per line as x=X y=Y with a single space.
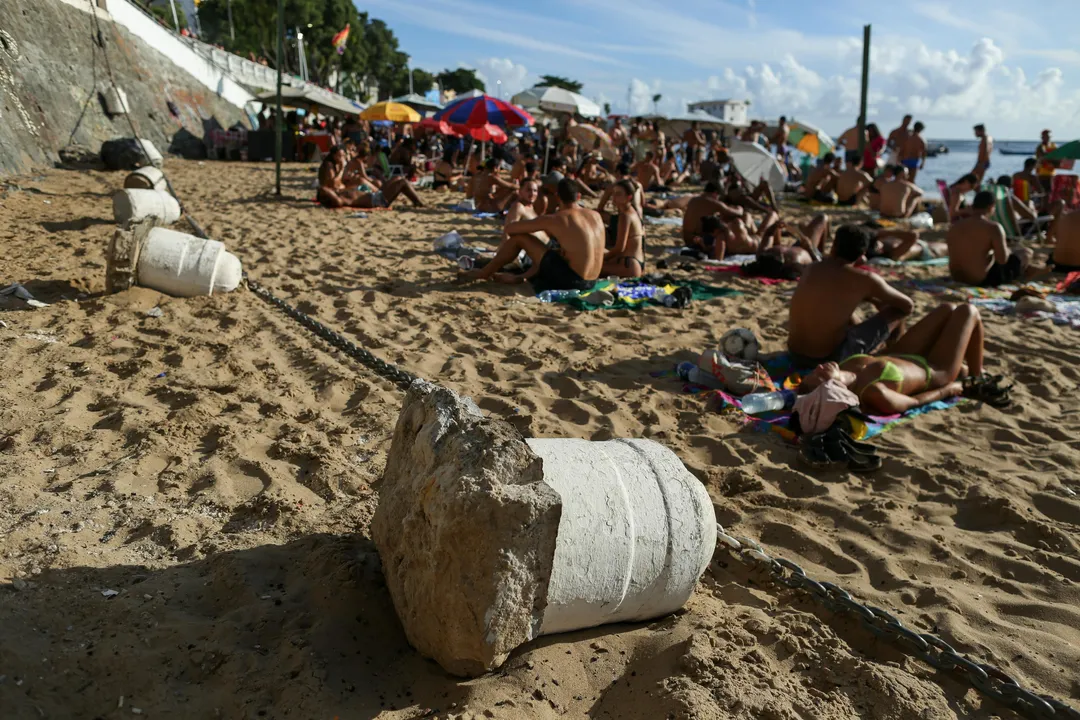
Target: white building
x=733 y=112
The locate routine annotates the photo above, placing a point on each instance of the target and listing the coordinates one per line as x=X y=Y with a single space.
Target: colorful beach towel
x=635 y=295
x=948 y=286
x=1067 y=310
x=783 y=373
x=889 y=262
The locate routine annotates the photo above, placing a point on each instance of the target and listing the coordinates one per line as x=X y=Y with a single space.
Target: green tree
x=460 y=81
x=164 y=14
x=607 y=109
x=371 y=52
x=560 y=82
x=422 y=81
x=656 y=101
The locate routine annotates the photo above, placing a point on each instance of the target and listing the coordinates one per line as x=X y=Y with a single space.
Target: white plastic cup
x=636 y=532
x=132 y=205
x=146 y=178
x=185 y=266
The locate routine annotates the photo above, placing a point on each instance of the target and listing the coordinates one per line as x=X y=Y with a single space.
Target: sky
x=950 y=63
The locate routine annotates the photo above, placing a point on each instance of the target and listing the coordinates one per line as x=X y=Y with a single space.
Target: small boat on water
x=937 y=150
x=1007 y=151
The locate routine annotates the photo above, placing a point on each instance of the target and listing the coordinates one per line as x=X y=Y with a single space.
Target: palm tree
x=607 y=109
x=656 y=101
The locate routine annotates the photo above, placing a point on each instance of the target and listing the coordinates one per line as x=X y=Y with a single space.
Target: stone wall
x=52 y=74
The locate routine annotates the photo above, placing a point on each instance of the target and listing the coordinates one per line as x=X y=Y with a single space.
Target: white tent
x=554 y=99
x=755 y=163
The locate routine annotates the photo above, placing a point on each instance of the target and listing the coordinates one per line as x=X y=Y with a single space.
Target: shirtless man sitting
x=899 y=198
x=704 y=205
x=490 y=191
x=1066 y=255
x=622 y=172
x=853 y=185
x=574 y=265
x=821 y=182
x=592 y=174
x=648 y=173
x=626 y=257
x=523 y=207
x=978 y=254
x=333 y=193
x=821 y=323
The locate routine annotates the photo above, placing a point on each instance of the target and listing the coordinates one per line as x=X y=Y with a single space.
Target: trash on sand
x=358 y=215
x=159 y=375
x=23 y=294
x=109 y=594
x=154 y=312
x=42 y=337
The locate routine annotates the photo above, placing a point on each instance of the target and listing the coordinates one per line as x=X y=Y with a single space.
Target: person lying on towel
x=821 y=323
x=573 y=259
x=940 y=357
x=333 y=193
x=978 y=254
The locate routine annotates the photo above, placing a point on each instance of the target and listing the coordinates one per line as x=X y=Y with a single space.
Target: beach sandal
x=681 y=297
x=813 y=454
x=988 y=389
x=862 y=457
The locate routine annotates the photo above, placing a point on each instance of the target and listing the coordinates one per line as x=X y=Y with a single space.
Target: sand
x=216 y=467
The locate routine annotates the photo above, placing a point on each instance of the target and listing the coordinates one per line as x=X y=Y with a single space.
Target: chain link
x=402 y=378
x=987 y=679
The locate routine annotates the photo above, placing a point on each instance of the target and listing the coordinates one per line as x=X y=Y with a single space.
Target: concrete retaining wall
x=52 y=71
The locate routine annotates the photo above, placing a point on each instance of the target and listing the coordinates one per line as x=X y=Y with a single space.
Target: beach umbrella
x=391 y=111
x=482 y=133
x=1068 y=151
x=440 y=126
x=755 y=163
x=483 y=110
x=556 y=99
x=592 y=138
x=809 y=139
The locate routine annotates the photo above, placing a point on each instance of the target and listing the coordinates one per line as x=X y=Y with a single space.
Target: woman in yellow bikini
x=939 y=357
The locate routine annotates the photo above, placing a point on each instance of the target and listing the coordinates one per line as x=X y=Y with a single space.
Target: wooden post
x=279 y=125
x=865 y=88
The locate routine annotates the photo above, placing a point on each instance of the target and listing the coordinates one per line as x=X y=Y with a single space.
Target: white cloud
x=948 y=90
x=514 y=77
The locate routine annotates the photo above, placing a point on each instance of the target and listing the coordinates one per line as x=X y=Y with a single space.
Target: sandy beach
x=185 y=498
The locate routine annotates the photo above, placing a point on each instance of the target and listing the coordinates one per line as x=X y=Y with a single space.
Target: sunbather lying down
x=939 y=357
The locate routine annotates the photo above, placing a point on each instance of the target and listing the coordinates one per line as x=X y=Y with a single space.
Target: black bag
x=122 y=154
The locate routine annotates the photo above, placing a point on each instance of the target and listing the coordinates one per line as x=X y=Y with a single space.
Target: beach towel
x=633 y=295
x=946 y=286
x=889 y=262
x=782 y=371
x=1066 y=309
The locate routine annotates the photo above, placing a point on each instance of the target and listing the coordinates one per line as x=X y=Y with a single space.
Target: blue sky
x=951 y=64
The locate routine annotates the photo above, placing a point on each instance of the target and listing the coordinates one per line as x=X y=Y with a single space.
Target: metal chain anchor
x=402 y=378
x=987 y=679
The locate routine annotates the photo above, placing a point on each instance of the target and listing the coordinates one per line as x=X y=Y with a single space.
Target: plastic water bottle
x=691 y=373
x=450 y=240
x=466 y=262
x=660 y=296
x=758 y=403
x=557 y=295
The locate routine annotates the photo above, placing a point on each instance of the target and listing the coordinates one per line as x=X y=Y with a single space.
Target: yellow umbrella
x=392 y=111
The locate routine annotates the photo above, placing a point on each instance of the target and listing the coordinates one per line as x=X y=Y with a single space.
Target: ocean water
x=960 y=160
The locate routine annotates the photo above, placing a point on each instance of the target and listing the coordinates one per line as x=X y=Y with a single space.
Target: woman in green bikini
x=939 y=357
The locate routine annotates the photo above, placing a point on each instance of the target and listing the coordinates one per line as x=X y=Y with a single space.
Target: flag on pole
x=340 y=39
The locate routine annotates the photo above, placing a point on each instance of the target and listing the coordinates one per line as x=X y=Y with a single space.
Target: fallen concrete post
x=172 y=262
x=488 y=540
x=136 y=205
x=146 y=178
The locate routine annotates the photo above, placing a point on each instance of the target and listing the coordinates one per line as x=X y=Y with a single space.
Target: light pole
x=498 y=89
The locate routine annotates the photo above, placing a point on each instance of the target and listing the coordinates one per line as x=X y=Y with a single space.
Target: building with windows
x=733 y=112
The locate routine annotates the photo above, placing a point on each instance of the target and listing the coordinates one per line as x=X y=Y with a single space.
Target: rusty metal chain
x=402 y=378
x=987 y=679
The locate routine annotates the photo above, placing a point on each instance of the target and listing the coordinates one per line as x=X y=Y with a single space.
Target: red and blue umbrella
x=484 y=110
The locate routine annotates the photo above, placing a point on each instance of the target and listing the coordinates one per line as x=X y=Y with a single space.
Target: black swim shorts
x=861 y=339
x=1003 y=273
x=555 y=273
